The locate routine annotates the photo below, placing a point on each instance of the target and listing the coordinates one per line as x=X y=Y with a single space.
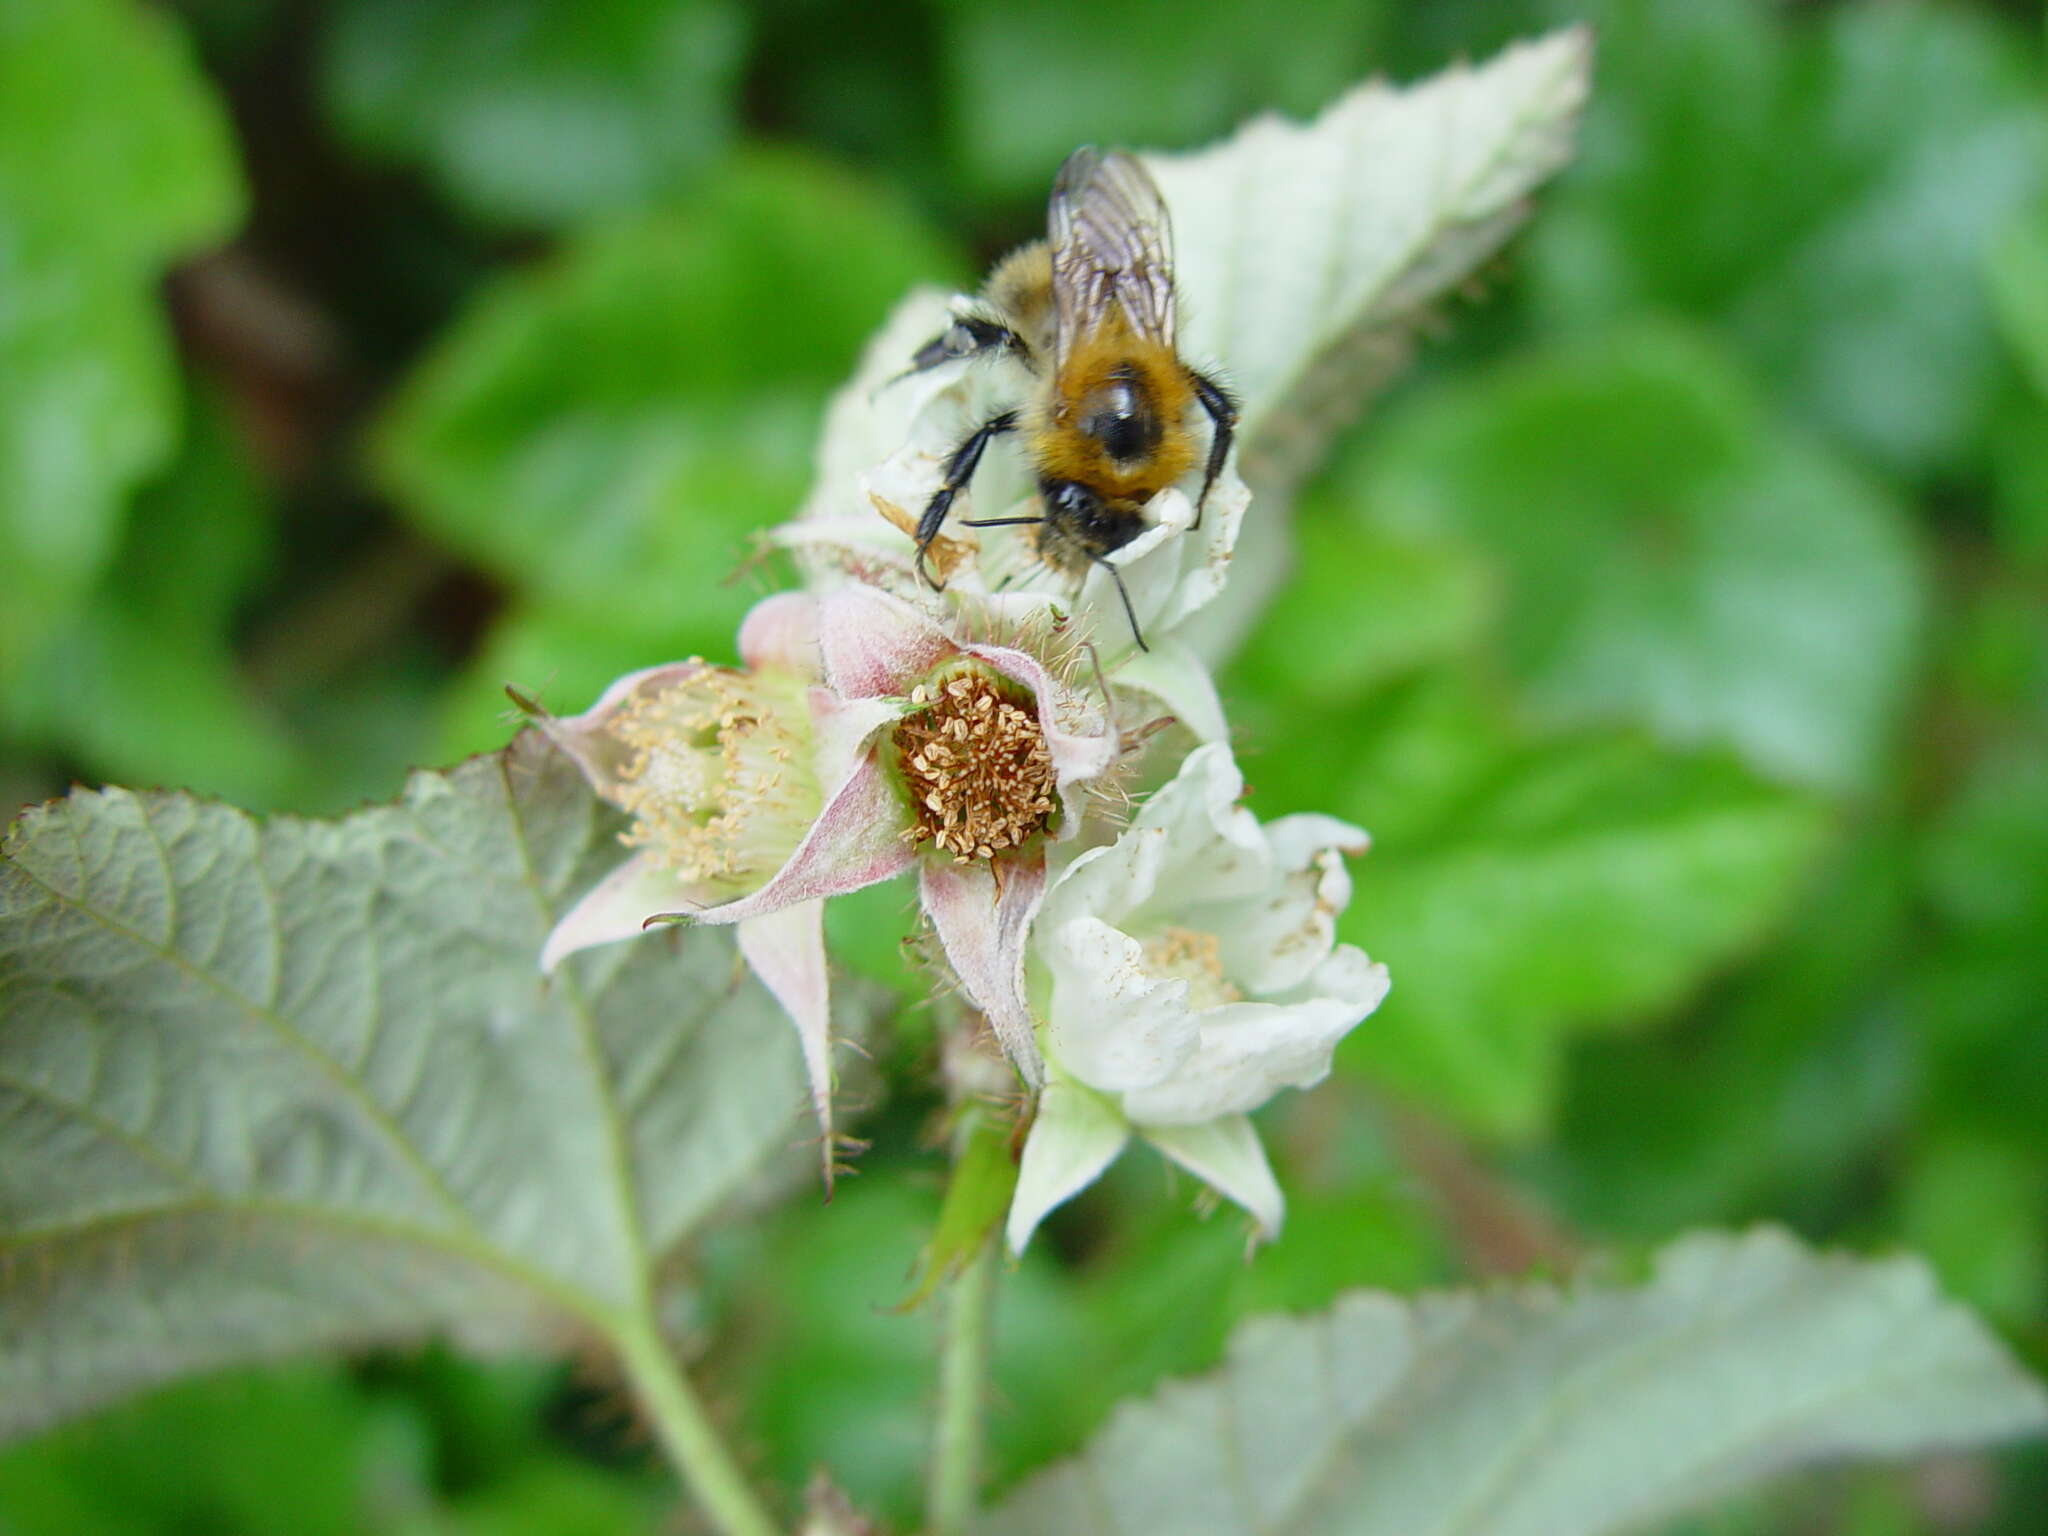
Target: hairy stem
x=689 y=1436
x=963 y=1388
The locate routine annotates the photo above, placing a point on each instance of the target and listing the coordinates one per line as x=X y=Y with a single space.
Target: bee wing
x=1112 y=243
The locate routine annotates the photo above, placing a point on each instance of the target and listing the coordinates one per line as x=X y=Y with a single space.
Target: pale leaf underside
x=1538 y=1412
x=271 y=1087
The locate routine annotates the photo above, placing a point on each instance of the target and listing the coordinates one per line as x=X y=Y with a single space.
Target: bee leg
x=967 y=336
x=959 y=470
x=1130 y=613
x=1222 y=409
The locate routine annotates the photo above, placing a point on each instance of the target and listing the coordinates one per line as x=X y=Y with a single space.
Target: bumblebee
x=1089 y=312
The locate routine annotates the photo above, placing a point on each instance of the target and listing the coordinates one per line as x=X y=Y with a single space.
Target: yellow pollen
x=978 y=767
x=713 y=774
x=1197 y=958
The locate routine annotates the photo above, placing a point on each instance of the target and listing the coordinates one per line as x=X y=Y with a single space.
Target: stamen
x=717 y=779
x=1196 y=957
x=979 y=770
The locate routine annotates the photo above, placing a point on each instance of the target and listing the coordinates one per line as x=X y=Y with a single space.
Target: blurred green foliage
x=1679 y=626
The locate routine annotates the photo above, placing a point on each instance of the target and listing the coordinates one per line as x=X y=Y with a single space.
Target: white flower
x=1185 y=974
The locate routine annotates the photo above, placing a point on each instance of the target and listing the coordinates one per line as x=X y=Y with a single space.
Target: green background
x=1678 y=626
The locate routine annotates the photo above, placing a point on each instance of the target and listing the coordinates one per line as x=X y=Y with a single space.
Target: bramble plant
x=491 y=1060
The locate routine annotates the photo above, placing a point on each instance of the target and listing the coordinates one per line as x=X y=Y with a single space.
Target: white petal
x=1175 y=675
x=1226 y=1155
x=786 y=949
x=618 y=907
x=1248 y=1052
x=1297 y=839
x=982 y=925
x=1112 y=1024
x=1275 y=943
x=1110 y=882
x=1075 y=1136
x=1215 y=850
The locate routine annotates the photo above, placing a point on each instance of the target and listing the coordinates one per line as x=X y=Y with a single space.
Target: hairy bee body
x=1090 y=313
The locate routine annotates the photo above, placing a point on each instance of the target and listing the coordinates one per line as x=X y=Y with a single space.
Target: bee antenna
x=1130 y=613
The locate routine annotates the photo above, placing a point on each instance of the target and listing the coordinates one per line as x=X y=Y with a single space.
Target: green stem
x=963 y=1386
x=688 y=1434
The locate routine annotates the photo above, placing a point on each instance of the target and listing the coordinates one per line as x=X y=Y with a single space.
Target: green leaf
x=1589 y=1410
x=1568 y=884
x=2017 y=264
x=142 y=685
x=1150 y=72
x=310 y=1453
x=1669 y=555
x=1308 y=252
x=284 y=1086
x=540 y=111
x=608 y=431
x=1820 y=190
x=115 y=161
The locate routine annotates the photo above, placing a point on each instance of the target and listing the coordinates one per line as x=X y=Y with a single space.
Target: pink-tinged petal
x=1077 y=732
x=857 y=840
x=982 y=927
x=1074 y=1137
x=786 y=949
x=618 y=907
x=1226 y=1155
x=782 y=631
x=875 y=644
x=587 y=737
x=843 y=731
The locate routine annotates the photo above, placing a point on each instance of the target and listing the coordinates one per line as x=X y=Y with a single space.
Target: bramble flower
x=964 y=759
x=1185 y=974
x=718 y=768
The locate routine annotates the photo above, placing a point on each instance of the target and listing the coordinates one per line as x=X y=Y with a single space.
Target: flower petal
x=1113 y=1024
x=1215 y=850
x=618 y=907
x=1226 y=1155
x=1277 y=944
x=782 y=631
x=1074 y=1137
x=1173 y=674
x=982 y=926
x=1250 y=1051
x=874 y=644
x=857 y=840
x=786 y=949
x=587 y=738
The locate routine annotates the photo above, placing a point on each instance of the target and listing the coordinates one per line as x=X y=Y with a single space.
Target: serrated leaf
x=114 y=161
x=541 y=111
x=1670 y=555
x=273 y=1087
x=1537 y=1412
x=610 y=430
x=1309 y=251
